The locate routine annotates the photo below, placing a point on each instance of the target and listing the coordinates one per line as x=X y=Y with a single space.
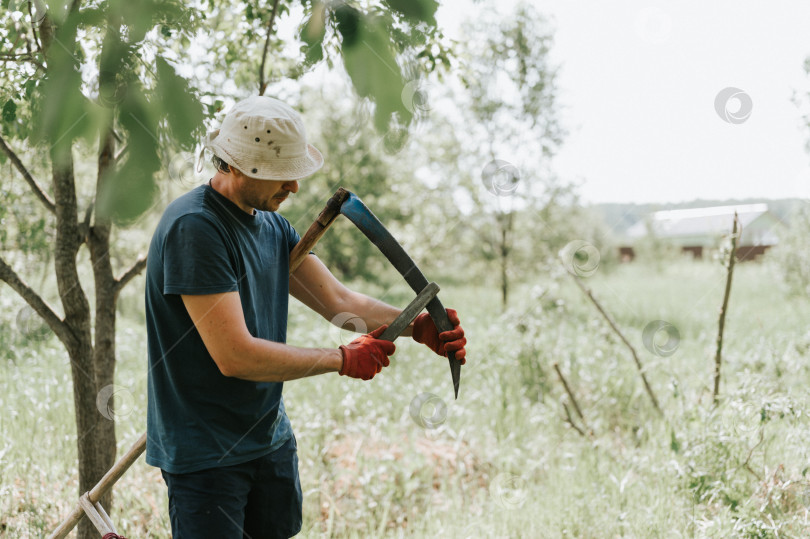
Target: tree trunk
x=95 y=452
x=104 y=442
x=98 y=240
x=506 y=221
x=91 y=353
x=504 y=274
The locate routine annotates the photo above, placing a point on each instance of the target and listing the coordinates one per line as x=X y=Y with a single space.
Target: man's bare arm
x=221 y=323
x=315 y=286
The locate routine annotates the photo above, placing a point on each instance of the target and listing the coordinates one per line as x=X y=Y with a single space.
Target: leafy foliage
x=516 y=214
x=792 y=255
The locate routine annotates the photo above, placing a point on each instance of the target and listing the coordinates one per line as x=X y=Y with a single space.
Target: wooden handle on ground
x=101 y=488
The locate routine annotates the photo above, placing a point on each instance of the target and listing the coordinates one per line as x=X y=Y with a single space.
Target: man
x=217 y=289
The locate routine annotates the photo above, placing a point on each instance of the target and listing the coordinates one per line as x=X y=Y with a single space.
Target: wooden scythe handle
x=318 y=228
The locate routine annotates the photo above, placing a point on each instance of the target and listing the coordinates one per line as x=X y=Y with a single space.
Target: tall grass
x=504 y=462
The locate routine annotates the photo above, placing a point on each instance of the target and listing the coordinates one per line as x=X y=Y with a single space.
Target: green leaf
x=215 y=107
x=9 y=111
x=28 y=88
x=312 y=34
x=128 y=191
x=373 y=69
x=62 y=113
x=415 y=10
x=182 y=109
x=348 y=24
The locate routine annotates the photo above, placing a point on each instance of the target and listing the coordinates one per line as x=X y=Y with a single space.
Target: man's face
x=266 y=195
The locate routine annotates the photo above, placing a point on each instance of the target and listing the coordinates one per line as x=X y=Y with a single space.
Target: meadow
x=398 y=457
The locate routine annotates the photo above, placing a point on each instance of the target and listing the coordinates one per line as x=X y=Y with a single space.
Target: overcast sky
x=639 y=80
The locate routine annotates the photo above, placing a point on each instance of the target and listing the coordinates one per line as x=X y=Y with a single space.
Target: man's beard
x=264 y=204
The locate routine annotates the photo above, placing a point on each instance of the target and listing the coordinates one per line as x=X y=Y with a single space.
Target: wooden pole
x=721 y=324
x=101 y=488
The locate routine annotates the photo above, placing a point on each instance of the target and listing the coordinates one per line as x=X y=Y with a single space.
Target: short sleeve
x=195 y=258
x=292 y=235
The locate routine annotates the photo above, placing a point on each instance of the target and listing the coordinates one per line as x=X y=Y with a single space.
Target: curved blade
x=357 y=212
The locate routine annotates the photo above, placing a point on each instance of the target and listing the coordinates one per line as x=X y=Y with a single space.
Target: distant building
x=695 y=230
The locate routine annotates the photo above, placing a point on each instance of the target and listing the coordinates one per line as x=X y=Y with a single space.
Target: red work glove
x=425 y=332
x=366 y=356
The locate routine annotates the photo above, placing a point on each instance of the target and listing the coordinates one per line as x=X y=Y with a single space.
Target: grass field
x=502 y=461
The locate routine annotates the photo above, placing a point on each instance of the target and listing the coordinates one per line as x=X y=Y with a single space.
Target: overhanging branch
x=38 y=191
x=262 y=82
x=131 y=273
x=10 y=277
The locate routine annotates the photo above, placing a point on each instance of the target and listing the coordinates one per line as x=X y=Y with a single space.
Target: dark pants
x=255 y=500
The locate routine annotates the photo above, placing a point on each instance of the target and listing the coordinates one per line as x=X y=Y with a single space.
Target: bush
x=792 y=255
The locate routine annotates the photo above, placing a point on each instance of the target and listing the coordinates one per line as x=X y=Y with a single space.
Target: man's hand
x=425 y=332
x=366 y=356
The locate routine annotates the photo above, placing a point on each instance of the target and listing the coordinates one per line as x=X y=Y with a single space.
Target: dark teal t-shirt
x=197 y=418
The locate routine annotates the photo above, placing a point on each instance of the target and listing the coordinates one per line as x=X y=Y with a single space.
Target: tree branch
x=84 y=227
x=57 y=325
x=570 y=420
x=27 y=57
x=746 y=464
x=131 y=273
x=34 y=27
x=570 y=394
x=262 y=82
x=612 y=324
x=38 y=191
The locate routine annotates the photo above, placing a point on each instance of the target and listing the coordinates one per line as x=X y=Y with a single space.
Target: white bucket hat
x=265 y=139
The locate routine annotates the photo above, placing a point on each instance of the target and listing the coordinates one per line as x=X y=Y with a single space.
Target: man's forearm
x=267 y=361
x=372 y=311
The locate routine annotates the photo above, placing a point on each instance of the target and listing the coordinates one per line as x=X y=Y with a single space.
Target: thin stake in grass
x=570 y=420
x=736 y=232
x=618 y=332
x=570 y=393
x=571 y=396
